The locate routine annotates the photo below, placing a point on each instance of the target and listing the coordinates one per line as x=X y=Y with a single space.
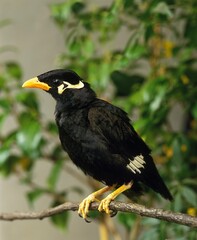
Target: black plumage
x=99 y=137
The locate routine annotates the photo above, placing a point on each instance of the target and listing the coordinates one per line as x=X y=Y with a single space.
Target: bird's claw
x=85 y=205
x=104 y=205
x=84 y=208
x=113 y=213
x=87 y=220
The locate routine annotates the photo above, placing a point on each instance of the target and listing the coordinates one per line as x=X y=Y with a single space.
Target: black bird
x=99 y=139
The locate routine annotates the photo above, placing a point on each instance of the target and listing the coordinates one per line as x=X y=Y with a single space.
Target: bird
x=100 y=140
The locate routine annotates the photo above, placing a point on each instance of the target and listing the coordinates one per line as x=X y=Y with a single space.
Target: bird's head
x=63 y=85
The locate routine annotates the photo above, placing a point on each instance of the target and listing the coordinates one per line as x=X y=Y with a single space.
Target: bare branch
x=169 y=216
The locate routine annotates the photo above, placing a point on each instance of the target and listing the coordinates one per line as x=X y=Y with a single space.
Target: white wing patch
x=137 y=163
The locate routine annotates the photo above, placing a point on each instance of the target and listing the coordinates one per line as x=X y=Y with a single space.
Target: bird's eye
x=56 y=81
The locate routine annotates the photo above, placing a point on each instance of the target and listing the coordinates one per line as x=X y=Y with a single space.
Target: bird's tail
x=152 y=179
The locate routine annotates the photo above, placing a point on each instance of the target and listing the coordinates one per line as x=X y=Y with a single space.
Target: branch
x=169 y=216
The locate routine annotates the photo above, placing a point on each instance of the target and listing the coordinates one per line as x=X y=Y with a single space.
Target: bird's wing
x=112 y=124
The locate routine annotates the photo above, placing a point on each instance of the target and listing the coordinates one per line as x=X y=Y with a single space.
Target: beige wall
x=38 y=42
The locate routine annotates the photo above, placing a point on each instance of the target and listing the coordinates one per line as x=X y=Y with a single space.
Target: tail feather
x=152 y=179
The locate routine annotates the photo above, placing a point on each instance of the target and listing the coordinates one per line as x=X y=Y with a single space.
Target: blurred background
x=140 y=55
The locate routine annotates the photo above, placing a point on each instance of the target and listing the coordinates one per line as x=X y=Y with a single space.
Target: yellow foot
x=104 y=205
x=85 y=204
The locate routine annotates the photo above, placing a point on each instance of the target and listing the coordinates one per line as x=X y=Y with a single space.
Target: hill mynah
x=99 y=139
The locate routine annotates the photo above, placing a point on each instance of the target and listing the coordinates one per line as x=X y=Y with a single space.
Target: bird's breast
x=73 y=131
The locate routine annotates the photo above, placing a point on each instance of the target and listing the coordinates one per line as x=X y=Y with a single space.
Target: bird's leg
x=104 y=205
x=85 y=204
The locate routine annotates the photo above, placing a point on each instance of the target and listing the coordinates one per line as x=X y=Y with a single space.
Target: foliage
x=25 y=143
x=141 y=55
x=25 y=139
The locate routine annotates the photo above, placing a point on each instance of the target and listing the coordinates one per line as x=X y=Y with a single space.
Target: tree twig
x=161 y=214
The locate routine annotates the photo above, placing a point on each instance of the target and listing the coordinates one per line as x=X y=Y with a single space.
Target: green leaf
x=74 y=46
x=194 y=111
x=5 y=104
x=6 y=158
x=190 y=29
x=125 y=84
x=33 y=195
x=134 y=51
x=151 y=221
x=54 y=174
x=2 y=82
x=189 y=195
x=88 y=47
x=127 y=219
x=158 y=99
x=94 y=214
x=61 y=12
x=163 y=8
x=4 y=154
x=57 y=153
x=151 y=233
x=61 y=220
x=29 y=137
x=77 y=7
x=178 y=203
x=14 y=70
x=8 y=166
x=28 y=99
x=52 y=128
x=104 y=72
x=3 y=117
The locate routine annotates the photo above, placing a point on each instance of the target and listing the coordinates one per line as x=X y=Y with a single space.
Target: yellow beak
x=35 y=83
